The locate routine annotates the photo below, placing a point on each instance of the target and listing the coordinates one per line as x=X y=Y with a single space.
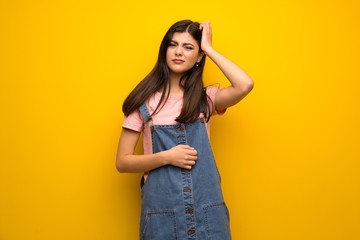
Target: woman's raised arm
x=241 y=83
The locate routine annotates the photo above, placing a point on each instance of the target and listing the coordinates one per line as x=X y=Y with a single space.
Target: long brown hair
x=195 y=99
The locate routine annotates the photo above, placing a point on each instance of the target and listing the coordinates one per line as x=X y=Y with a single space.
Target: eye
x=188 y=46
x=172 y=44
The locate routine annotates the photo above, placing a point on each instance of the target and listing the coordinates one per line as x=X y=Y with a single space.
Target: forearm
x=239 y=79
x=140 y=163
x=183 y=156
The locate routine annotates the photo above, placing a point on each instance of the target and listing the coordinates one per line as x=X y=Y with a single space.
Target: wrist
x=208 y=50
x=163 y=159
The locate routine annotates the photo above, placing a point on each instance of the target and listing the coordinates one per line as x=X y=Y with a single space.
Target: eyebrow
x=186 y=43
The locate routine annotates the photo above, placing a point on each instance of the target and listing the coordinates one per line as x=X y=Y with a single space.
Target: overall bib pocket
x=159 y=225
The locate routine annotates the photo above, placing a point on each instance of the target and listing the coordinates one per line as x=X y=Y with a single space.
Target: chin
x=179 y=71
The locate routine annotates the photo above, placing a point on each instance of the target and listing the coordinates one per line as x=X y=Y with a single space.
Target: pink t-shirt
x=167 y=115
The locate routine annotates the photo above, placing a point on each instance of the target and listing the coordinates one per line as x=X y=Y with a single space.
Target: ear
x=201 y=55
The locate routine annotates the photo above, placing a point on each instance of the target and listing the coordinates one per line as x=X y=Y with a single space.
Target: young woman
x=180 y=189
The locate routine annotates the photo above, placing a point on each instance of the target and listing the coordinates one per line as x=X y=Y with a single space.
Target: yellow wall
x=289 y=153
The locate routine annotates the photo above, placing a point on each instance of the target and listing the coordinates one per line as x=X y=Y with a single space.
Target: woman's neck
x=176 y=88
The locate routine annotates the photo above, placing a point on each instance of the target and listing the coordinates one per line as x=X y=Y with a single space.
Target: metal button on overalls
x=179 y=204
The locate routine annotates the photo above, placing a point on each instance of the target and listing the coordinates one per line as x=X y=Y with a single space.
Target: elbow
x=249 y=86
x=120 y=169
x=120 y=166
x=245 y=89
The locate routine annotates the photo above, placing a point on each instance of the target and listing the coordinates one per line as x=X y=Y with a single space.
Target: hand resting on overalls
x=183 y=156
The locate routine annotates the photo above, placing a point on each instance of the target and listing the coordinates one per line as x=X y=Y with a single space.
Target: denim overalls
x=183 y=204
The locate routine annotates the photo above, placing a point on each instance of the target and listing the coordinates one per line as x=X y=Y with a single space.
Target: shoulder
x=211 y=92
x=134 y=121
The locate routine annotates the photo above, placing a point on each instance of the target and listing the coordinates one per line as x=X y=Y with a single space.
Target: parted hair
x=195 y=99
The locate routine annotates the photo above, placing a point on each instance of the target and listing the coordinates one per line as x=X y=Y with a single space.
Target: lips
x=177 y=61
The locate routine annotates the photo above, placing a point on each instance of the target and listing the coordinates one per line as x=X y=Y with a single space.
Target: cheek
x=168 y=55
x=193 y=57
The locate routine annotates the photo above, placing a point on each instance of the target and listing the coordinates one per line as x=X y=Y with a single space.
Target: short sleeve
x=133 y=122
x=211 y=92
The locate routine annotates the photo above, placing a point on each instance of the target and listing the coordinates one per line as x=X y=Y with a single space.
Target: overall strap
x=145 y=113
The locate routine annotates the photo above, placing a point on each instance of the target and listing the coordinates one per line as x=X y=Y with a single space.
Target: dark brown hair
x=195 y=99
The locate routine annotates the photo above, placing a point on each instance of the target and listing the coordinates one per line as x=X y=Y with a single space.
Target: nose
x=178 y=51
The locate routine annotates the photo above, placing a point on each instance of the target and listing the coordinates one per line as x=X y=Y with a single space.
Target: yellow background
x=288 y=154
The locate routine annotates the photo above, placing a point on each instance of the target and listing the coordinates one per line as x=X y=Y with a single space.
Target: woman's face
x=182 y=53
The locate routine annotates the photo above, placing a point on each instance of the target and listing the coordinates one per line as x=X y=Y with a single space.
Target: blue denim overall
x=179 y=204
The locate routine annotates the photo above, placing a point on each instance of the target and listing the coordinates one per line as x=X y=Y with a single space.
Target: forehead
x=183 y=37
